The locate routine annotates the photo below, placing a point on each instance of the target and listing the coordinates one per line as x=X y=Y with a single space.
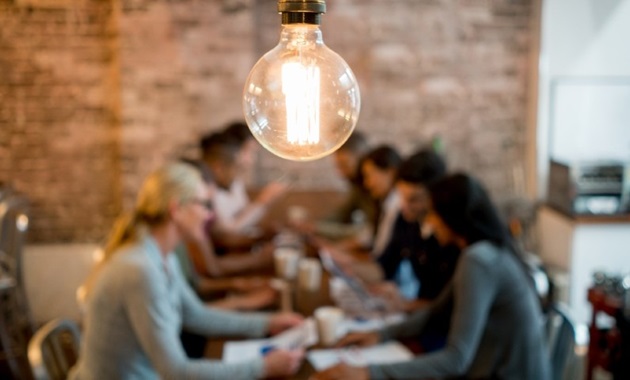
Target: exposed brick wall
x=115 y=87
x=58 y=122
x=183 y=66
x=437 y=68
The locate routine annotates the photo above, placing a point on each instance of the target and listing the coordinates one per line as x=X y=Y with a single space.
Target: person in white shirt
x=238 y=217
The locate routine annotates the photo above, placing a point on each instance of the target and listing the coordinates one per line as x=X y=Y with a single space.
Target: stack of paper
x=302 y=336
x=390 y=352
x=305 y=336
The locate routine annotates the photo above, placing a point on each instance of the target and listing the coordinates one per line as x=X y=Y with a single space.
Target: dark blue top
x=432 y=264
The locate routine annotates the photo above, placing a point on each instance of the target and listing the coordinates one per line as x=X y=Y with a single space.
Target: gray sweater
x=496 y=328
x=135 y=313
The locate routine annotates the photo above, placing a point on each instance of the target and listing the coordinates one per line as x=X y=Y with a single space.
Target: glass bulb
x=301 y=100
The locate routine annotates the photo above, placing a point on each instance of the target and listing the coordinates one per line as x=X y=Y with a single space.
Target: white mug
x=309 y=274
x=286 y=262
x=328 y=320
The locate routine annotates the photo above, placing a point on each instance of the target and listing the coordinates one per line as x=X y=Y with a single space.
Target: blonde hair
x=175 y=181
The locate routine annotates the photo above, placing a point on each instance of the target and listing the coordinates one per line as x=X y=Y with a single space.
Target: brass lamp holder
x=301 y=11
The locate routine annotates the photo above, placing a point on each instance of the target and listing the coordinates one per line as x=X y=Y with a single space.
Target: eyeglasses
x=202 y=202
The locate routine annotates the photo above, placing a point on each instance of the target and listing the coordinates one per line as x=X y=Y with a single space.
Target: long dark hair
x=464 y=205
x=383 y=157
x=422 y=167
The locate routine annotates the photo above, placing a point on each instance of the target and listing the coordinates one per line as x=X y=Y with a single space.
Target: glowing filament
x=300 y=86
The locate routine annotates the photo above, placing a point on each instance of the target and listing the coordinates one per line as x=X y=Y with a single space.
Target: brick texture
x=95 y=94
x=58 y=122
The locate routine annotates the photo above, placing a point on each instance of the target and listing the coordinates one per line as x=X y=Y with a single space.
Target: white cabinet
x=579 y=246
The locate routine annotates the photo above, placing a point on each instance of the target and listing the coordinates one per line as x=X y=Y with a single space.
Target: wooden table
x=215 y=351
x=304 y=302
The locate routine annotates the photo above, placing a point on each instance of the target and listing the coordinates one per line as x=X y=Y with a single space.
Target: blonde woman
x=137 y=301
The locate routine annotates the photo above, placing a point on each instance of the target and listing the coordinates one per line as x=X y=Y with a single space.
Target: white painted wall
x=584 y=93
x=588 y=41
x=52 y=274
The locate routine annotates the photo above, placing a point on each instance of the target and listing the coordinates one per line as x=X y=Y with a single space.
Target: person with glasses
x=137 y=300
x=203 y=261
x=206 y=272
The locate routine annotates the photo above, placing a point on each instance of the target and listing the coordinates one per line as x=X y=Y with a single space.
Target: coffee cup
x=309 y=274
x=328 y=319
x=286 y=262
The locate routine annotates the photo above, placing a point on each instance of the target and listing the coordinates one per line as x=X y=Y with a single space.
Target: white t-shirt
x=234 y=210
x=391 y=208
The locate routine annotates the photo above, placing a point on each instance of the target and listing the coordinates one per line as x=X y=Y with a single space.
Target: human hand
x=342 y=371
x=263 y=253
x=389 y=292
x=271 y=192
x=246 y=284
x=342 y=258
x=256 y=299
x=384 y=289
x=283 y=321
x=281 y=363
x=361 y=339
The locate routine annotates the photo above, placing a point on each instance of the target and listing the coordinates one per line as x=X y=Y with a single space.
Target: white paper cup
x=286 y=262
x=309 y=274
x=328 y=320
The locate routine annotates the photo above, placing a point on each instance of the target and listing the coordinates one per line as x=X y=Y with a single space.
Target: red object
x=604 y=344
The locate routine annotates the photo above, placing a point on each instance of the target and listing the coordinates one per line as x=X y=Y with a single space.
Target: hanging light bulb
x=301 y=100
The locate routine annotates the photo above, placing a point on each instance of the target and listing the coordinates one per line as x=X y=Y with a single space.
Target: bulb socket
x=301 y=11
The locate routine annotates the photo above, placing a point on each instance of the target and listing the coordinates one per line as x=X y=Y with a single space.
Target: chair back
x=54 y=349
x=561 y=341
x=14 y=222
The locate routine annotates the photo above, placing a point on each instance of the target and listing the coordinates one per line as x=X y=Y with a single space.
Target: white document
x=390 y=352
x=370 y=324
x=304 y=336
x=239 y=351
x=301 y=336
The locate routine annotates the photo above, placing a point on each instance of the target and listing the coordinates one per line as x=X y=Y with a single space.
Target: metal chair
x=54 y=349
x=561 y=341
x=16 y=325
x=14 y=223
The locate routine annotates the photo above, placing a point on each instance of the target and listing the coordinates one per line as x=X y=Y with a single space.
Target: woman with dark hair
x=348 y=161
x=463 y=205
x=496 y=329
x=239 y=132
